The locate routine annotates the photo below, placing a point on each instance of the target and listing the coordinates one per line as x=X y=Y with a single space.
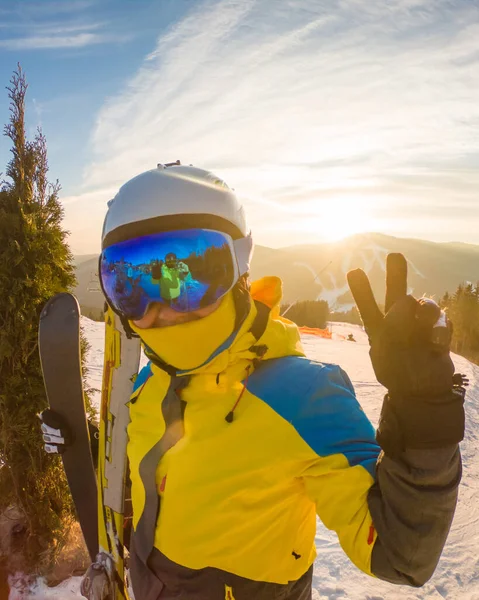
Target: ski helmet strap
x=130 y=334
x=242 y=300
x=158 y=362
x=261 y=320
x=172 y=410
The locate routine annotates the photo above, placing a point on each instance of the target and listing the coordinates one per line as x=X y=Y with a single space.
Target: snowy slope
x=335 y=578
x=457 y=575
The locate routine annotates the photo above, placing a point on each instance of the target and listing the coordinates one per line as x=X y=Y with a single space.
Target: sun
x=343 y=216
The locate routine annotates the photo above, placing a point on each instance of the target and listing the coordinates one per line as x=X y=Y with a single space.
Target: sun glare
x=341 y=217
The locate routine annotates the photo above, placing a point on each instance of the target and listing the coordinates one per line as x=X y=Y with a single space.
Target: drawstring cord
x=133 y=400
x=260 y=352
x=230 y=416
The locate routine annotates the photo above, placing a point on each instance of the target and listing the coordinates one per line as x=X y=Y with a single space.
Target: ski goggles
x=186 y=270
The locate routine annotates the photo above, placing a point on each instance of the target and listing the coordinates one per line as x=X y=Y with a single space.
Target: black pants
x=166 y=580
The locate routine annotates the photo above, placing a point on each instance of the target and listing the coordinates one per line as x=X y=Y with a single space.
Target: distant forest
x=316 y=313
x=307 y=313
x=463 y=309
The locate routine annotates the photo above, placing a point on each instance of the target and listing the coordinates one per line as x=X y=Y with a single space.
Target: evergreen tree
x=350 y=316
x=309 y=313
x=445 y=300
x=463 y=309
x=35 y=263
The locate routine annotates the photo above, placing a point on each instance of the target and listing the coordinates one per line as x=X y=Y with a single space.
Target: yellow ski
x=105 y=580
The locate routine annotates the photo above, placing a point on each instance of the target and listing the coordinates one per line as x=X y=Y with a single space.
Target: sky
x=328 y=118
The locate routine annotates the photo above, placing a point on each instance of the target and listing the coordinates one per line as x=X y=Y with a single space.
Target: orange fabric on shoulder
x=267 y=290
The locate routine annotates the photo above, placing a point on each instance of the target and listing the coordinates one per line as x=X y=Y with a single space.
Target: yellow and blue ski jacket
x=231 y=462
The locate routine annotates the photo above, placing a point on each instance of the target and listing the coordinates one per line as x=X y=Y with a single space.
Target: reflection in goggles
x=187 y=270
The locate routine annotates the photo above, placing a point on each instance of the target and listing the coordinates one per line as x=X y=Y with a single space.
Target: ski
x=59 y=346
x=106 y=577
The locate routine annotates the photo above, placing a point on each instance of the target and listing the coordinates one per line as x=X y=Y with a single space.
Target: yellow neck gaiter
x=189 y=345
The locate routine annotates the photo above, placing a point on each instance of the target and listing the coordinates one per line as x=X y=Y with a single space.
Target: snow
x=95 y=335
x=335 y=578
x=457 y=575
x=67 y=590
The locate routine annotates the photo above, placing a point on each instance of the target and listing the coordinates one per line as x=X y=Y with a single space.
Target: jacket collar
x=263 y=333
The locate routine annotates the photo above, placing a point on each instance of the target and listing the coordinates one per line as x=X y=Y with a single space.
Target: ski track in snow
x=335 y=577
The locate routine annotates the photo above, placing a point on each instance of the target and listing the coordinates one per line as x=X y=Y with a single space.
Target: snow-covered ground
x=335 y=578
x=457 y=575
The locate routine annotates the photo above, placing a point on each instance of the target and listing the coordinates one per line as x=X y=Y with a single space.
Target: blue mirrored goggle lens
x=186 y=270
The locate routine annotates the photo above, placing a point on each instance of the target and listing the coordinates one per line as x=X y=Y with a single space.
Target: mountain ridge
x=318 y=271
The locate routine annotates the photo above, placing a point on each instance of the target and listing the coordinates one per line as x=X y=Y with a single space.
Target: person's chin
x=177 y=319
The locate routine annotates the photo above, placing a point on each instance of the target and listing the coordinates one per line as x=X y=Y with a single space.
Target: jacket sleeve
x=392 y=518
x=412 y=504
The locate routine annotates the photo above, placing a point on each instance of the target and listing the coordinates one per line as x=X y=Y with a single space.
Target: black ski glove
x=409 y=350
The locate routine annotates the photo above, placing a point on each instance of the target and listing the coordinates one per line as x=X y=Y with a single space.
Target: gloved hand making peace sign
x=409 y=350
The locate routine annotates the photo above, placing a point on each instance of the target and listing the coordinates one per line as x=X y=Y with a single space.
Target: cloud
x=62 y=28
x=365 y=100
x=53 y=25
x=77 y=40
x=46 y=8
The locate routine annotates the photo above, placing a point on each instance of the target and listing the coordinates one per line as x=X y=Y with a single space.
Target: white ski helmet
x=173 y=191
x=174 y=197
